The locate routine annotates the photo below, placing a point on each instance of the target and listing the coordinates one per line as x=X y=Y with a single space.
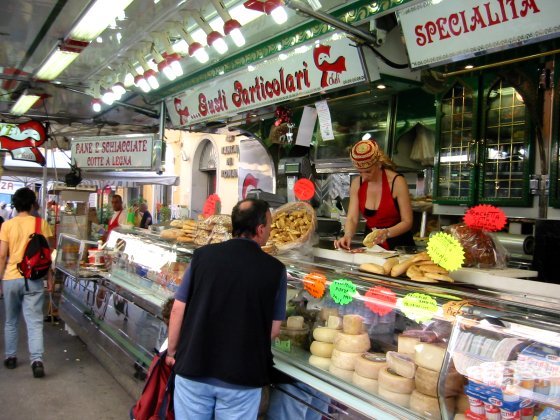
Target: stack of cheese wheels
x=322 y=348
x=366 y=371
x=396 y=380
x=348 y=347
x=424 y=399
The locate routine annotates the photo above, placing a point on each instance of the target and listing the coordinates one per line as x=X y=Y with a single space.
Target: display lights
x=274 y=8
x=232 y=27
x=96 y=101
x=119 y=90
x=139 y=80
x=149 y=73
x=172 y=67
x=24 y=102
x=96 y=105
x=196 y=49
x=64 y=54
x=213 y=38
x=97 y=18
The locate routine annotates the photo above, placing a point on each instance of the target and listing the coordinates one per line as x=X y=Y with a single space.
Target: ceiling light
x=231 y=26
x=108 y=97
x=469 y=66
x=274 y=8
x=381 y=86
x=163 y=65
x=65 y=53
x=25 y=101
x=139 y=79
x=96 y=105
x=119 y=90
x=97 y=18
x=213 y=38
x=196 y=49
x=149 y=74
x=172 y=68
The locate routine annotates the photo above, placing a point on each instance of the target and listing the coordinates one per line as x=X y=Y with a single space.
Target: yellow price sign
x=446 y=251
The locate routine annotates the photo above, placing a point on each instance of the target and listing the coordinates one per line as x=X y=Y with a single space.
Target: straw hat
x=365 y=154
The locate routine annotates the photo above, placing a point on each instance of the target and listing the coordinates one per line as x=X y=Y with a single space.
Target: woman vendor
x=381 y=196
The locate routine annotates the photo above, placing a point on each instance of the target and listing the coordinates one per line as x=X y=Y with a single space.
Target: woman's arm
x=352 y=217
x=401 y=193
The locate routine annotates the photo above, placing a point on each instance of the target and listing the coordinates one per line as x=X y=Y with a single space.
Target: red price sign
x=314 y=283
x=211 y=205
x=380 y=300
x=485 y=217
x=304 y=189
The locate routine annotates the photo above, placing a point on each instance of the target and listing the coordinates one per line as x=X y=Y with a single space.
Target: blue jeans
x=200 y=401
x=16 y=301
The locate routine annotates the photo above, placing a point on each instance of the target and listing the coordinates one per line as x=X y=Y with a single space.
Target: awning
x=58 y=166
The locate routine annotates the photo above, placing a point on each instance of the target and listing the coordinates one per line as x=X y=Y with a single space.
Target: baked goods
x=372 y=237
x=480 y=250
x=292 y=225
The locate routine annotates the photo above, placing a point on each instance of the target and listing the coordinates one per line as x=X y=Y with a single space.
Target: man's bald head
x=247 y=216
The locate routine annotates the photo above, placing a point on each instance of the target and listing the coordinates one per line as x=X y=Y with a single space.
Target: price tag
x=380 y=300
x=485 y=217
x=304 y=189
x=446 y=251
x=315 y=283
x=342 y=291
x=283 y=345
x=419 y=307
x=211 y=205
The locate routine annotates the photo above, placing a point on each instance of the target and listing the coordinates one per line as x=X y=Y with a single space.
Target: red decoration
x=304 y=189
x=380 y=300
x=210 y=205
x=314 y=284
x=283 y=115
x=485 y=217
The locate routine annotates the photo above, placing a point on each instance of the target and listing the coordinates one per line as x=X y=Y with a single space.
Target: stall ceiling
x=31 y=30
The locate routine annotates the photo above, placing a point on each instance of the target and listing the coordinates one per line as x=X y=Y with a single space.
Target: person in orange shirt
x=14 y=236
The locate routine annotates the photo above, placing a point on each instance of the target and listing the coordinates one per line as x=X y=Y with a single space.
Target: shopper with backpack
x=14 y=237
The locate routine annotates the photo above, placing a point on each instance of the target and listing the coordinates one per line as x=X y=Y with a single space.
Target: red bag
x=156 y=401
x=36 y=260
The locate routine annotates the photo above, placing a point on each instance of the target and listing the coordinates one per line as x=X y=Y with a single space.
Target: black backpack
x=37 y=256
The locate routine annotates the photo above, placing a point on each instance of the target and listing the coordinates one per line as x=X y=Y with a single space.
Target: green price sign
x=419 y=307
x=342 y=291
x=283 y=345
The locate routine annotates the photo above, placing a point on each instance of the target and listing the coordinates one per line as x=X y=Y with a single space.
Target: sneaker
x=38 y=369
x=11 y=362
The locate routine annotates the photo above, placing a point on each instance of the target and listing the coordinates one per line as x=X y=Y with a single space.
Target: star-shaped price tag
x=446 y=251
x=314 y=283
x=380 y=300
x=342 y=291
x=304 y=189
x=485 y=217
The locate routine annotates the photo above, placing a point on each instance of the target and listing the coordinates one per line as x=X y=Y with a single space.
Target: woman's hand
x=343 y=243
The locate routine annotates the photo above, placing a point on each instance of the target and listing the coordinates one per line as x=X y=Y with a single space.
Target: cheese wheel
x=352 y=343
x=427 y=382
x=428 y=406
x=402 y=364
x=429 y=356
x=320 y=362
x=395 y=383
x=324 y=334
x=295 y=323
x=368 y=365
x=318 y=348
x=344 y=360
x=406 y=344
x=367 y=384
x=352 y=324
x=341 y=373
x=334 y=322
x=402 y=400
x=326 y=312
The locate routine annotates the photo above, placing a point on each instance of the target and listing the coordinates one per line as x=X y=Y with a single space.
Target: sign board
x=331 y=63
x=9 y=187
x=23 y=140
x=130 y=152
x=454 y=30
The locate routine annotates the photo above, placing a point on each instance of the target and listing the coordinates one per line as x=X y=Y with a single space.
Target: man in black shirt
x=227 y=309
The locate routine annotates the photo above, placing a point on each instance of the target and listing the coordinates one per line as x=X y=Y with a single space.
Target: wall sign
x=128 y=152
x=308 y=69
x=23 y=140
x=452 y=30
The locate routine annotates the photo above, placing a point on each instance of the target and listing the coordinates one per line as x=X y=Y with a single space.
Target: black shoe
x=38 y=369
x=11 y=362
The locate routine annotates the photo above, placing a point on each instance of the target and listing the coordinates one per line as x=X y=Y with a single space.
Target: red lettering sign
x=23 y=140
x=485 y=217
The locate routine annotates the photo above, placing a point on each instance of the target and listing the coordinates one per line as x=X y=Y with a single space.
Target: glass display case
x=72 y=256
x=389 y=348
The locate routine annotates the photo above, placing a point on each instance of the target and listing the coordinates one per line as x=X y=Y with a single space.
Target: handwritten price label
x=485 y=217
x=419 y=307
x=342 y=291
x=314 y=284
x=304 y=189
x=446 y=251
x=380 y=300
x=211 y=205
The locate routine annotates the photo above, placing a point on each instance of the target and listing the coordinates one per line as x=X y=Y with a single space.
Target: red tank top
x=387 y=214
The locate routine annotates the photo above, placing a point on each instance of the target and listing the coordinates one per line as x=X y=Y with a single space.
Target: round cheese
x=352 y=324
x=427 y=382
x=344 y=360
x=294 y=323
x=324 y=334
x=367 y=384
x=424 y=405
x=341 y=373
x=326 y=312
x=402 y=400
x=352 y=343
x=368 y=365
x=318 y=348
x=320 y=362
x=401 y=364
x=395 y=383
x=406 y=344
x=334 y=322
x=429 y=356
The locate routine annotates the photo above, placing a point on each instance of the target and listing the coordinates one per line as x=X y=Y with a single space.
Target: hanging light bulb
x=163 y=64
x=96 y=105
x=275 y=8
x=108 y=97
x=149 y=74
x=213 y=38
x=119 y=90
x=196 y=49
x=232 y=27
x=139 y=79
x=172 y=59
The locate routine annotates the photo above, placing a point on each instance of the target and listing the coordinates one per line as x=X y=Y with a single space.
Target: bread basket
x=292 y=225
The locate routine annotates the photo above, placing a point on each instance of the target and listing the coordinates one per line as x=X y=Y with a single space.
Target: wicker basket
x=292 y=215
